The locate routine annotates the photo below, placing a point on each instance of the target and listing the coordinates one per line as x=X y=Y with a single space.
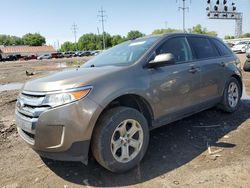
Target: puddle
x=11 y=86
x=62 y=65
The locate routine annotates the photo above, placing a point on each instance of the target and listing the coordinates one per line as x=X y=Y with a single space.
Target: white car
x=241 y=47
x=45 y=56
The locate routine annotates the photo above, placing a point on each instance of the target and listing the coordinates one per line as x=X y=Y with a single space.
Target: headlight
x=65 y=97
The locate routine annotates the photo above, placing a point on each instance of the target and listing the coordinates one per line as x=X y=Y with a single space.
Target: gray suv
x=109 y=105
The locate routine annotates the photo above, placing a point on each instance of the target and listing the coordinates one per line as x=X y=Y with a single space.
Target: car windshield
x=123 y=54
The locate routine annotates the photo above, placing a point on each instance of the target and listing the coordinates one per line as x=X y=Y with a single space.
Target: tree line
x=30 y=39
x=245 y=35
x=91 y=41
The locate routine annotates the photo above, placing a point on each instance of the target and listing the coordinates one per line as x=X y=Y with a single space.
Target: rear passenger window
x=177 y=46
x=223 y=49
x=202 y=47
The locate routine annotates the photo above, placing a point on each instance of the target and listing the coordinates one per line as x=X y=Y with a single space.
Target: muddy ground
x=16 y=71
x=178 y=154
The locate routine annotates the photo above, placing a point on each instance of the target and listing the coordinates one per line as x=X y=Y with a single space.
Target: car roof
x=188 y=34
x=164 y=35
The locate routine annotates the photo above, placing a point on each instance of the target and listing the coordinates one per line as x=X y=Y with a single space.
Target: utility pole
x=102 y=16
x=74 y=29
x=183 y=8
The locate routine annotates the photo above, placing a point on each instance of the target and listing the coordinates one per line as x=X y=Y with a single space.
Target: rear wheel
x=231 y=96
x=120 y=139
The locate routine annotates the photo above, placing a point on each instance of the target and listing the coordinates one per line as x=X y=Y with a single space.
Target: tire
x=246 y=66
x=108 y=131
x=226 y=104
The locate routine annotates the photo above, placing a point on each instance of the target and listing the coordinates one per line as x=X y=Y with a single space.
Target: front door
x=175 y=87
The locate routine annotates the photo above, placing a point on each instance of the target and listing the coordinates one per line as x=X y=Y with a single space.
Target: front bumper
x=61 y=133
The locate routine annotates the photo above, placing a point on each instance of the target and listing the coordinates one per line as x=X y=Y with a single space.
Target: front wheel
x=231 y=96
x=120 y=139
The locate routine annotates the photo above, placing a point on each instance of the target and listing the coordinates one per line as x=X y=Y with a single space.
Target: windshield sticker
x=137 y=43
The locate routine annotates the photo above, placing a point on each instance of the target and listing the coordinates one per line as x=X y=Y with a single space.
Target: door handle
x=222 y=64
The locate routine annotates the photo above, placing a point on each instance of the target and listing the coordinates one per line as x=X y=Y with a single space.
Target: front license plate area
x=24 y=124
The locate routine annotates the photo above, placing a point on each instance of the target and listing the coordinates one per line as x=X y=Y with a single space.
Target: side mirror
x=162 y=60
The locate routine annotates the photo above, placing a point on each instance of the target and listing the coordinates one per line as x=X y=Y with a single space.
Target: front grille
x=31 y=105
x=29 y=108
x=29 y=134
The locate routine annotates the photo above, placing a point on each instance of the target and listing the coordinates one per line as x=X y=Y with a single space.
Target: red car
x=29 y=57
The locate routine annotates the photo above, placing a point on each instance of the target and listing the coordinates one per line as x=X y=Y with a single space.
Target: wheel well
x=239 y=80
x=133 y=101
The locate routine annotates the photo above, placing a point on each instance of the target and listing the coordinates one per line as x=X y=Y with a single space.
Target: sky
x=54 y=18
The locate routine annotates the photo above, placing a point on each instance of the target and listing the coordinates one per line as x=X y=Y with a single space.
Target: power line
x=102 y=16
x=74 y=29
x=183 y=8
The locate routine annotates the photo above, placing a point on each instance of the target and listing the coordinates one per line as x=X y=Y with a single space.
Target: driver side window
x=178 y=47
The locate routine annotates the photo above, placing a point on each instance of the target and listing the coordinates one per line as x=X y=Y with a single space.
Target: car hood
x=69 y=79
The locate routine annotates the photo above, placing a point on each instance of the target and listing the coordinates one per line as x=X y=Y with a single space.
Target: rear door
x=212 y=69
x=175 y=87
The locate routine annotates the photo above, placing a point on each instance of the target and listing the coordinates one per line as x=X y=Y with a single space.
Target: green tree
x=134 y=34
x=88 y=41
x=168 y=30
x=228 y=37
x=245 y=35
x=117 y=39
x=33 y=39
x=198 y=29
x=67 y=46
x=10 y=40
x=108 y=39
x=91 y=41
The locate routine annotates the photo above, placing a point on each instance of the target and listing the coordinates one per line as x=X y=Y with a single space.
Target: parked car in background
x=77 y=54
x=57 y=55
x=10 y=58
x=30 y=57
x=80 y=54
x=240 y=47
x=109 y=105
x=67 y=54
x=248 y=53
x=18 y=56
x=45 y=56
x=229 y=44
x=95 y=52
x=86 y=53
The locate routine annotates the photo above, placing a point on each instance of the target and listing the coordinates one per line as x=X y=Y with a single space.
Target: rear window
x=223 y=49
x=202 y=47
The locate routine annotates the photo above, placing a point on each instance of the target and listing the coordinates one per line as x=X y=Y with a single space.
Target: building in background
x=26 y=50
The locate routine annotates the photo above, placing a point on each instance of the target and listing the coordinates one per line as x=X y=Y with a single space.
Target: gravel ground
x=209 y=149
